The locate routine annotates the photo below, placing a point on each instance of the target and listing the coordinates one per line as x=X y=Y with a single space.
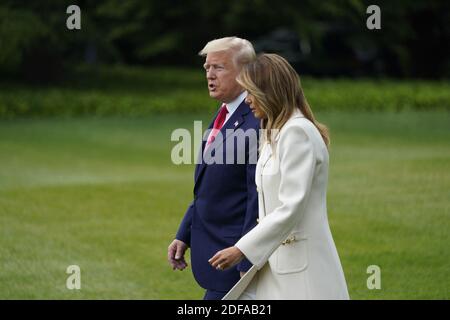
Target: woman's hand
x=226 y=258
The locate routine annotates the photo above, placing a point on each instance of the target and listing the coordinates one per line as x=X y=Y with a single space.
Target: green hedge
x=377 y=95
x=135 y=91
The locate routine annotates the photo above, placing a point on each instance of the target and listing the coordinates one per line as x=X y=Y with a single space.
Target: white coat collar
x=296 y=114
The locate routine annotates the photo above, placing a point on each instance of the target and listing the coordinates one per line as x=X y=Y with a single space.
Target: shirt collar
x=233 y=105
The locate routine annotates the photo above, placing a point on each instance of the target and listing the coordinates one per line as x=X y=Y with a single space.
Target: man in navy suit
x=225 y=205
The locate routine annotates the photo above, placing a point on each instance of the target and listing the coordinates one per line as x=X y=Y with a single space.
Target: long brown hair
x=278 y=92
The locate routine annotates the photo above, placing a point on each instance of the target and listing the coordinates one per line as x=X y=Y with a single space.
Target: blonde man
x=225 y=204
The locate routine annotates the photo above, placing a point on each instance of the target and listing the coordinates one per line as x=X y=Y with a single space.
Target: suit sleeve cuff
x=244 y=265
x=184 y=236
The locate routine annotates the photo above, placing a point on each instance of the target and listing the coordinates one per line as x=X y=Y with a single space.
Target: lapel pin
x=236 y=123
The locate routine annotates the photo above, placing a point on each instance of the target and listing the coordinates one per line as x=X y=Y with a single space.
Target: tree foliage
x=332 y=36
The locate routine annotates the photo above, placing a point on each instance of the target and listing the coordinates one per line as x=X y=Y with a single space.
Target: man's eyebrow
x=214 y=65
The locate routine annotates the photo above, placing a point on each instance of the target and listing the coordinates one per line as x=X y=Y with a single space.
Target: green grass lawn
x=104 y=195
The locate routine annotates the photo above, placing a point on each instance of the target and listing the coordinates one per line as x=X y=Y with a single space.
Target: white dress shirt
x=233 y=105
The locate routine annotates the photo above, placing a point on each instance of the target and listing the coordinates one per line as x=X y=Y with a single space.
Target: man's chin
x=214 y=95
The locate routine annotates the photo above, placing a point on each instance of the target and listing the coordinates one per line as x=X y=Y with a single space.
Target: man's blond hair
x=243 y=51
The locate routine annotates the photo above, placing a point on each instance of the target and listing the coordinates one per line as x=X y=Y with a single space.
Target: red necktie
x=218 y=123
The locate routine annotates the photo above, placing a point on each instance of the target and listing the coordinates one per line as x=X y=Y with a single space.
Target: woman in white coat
x=291 y=246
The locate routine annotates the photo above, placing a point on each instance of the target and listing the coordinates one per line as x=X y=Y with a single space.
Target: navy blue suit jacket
x=225 y=205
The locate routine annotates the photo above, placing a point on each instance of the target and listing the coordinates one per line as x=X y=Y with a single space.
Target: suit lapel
x=265 y=155
x=235 y=121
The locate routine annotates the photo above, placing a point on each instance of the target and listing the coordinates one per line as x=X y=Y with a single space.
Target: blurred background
x=86 y=176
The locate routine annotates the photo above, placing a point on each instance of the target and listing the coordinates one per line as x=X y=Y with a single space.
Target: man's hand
x=226 y=258
x=175 y=254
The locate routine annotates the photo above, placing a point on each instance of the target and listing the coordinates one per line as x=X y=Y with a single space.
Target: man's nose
x=210 y=74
